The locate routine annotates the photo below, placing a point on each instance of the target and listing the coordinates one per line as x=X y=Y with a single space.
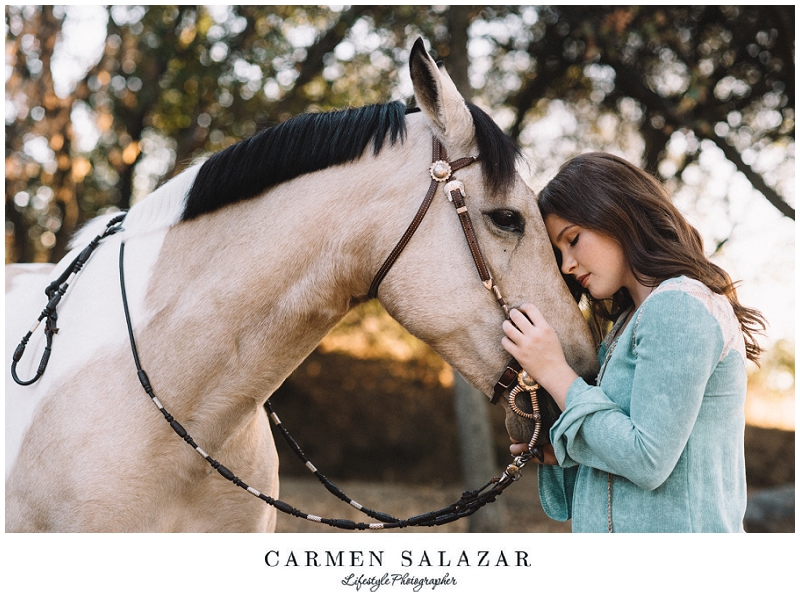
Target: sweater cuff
x=556 y=485
x=576 y=389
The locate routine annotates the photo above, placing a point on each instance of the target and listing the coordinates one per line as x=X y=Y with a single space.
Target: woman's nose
x=568 y=264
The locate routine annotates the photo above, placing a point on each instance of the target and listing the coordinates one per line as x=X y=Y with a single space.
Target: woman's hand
x=549 y=454
x=535 y=345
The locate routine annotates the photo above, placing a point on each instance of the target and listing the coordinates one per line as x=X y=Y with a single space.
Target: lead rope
x=329 y=486
x=469 y=503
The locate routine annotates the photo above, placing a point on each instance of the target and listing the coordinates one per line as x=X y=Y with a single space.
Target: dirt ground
x=518 y=506
x=384 y=431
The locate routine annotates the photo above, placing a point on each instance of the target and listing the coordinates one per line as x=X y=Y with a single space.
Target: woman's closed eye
x=574 y=240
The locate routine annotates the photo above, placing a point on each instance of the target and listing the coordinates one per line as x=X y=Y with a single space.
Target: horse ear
x=441 y=102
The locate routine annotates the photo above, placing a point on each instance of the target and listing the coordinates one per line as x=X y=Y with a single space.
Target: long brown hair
x=602 y=192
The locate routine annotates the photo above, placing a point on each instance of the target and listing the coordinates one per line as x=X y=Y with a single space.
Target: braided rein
x=468 y=504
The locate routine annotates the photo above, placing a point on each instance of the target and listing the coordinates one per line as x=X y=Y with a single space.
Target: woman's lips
x=583 y=279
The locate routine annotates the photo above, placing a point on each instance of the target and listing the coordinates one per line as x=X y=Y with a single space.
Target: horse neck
x=255 y=286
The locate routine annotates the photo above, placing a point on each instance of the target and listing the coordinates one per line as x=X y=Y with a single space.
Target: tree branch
x=315 y=54
x=732 y=154
x=630 y=81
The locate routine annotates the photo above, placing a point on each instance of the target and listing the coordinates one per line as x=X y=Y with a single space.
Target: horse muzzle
x=524 y=410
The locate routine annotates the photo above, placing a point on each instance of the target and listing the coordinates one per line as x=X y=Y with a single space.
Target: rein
x=55 y=291
x=441 y=172
x=469 y=503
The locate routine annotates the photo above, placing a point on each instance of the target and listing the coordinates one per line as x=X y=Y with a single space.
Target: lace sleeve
x=717 y=305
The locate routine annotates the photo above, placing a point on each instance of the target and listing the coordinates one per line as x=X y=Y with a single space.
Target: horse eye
x=508 y=220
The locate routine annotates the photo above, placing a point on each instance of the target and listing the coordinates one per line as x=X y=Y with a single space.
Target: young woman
x=657 y=445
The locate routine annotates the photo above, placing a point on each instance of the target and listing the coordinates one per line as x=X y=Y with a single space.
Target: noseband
x=442 y=171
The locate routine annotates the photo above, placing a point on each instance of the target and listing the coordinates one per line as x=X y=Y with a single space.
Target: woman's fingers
x=511 y=331
x=518 y=449
x=520 y=334
x=520 y=320
x=533 y=314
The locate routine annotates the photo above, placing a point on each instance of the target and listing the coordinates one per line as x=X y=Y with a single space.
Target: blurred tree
x=777 y=375
x=675 y=75
x=39 y=139
x=172 y=83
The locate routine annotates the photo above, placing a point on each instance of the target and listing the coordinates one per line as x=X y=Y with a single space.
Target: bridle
x=441 y=171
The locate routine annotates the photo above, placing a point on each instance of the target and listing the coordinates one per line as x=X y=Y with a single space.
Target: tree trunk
x=477 y=452
x=458 y=18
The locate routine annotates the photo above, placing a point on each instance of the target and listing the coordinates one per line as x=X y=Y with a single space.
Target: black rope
x=55 y=291
x=468 y=504
x=335 y=490
x=329 y=486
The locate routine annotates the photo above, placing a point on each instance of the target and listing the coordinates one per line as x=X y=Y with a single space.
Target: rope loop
x=55 y=291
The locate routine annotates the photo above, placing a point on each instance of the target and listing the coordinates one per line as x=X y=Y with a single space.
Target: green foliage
x=173 y=83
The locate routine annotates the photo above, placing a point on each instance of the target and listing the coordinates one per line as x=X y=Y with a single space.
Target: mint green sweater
x=667 y=420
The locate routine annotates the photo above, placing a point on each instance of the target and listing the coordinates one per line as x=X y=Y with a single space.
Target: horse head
x=464 y=326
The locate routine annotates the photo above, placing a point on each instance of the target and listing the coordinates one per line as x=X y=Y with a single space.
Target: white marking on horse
x=95 y=290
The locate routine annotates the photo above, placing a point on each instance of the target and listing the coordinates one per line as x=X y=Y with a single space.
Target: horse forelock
x=498 y=152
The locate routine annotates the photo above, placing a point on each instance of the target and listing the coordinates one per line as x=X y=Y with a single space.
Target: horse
x=235 y=270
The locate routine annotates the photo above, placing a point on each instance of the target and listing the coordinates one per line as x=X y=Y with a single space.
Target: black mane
x=315 y=141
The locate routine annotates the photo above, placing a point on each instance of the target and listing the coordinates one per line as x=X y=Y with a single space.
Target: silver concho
x=440 y=171
x=524 y=379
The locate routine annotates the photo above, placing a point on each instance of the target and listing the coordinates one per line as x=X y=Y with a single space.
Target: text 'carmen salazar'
x=405 y=558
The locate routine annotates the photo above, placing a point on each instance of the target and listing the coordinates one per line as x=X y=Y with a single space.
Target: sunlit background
x=69 y=155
